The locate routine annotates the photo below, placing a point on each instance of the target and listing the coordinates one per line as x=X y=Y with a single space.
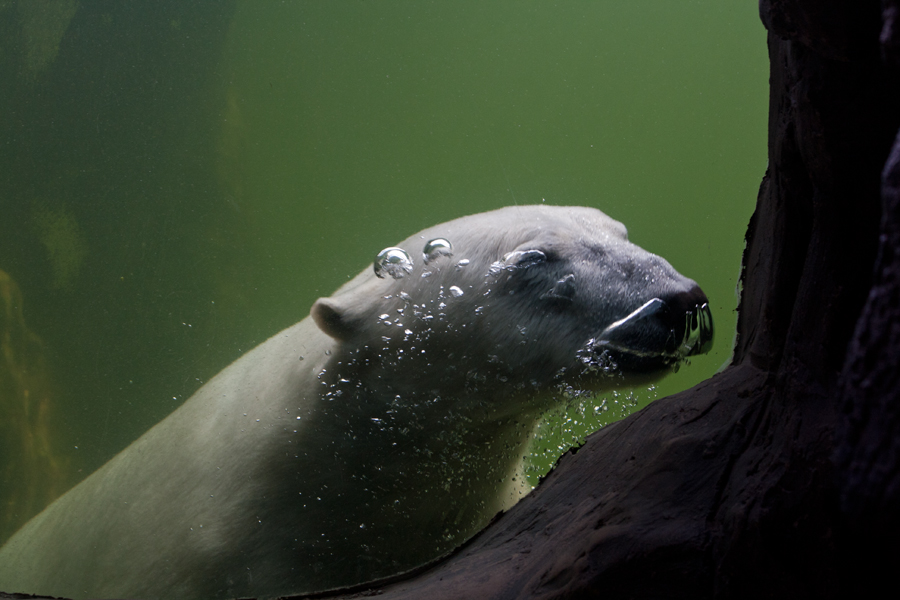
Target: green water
x=179 y=181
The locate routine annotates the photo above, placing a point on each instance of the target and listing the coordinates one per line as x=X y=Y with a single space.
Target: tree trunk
x=778 y=476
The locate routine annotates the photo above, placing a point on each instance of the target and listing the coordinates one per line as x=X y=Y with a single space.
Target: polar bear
x=382 y=431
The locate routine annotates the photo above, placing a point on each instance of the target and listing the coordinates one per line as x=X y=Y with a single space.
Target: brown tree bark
x=777 y=476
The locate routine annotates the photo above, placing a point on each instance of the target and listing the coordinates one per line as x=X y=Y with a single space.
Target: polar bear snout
x=657 y=335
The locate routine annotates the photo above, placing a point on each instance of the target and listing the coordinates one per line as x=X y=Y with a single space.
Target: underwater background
x=180 y=180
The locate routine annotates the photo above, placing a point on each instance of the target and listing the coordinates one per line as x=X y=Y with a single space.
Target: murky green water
x=179 y=180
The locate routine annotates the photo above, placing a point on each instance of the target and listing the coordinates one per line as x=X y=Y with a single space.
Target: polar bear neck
x=445 y=439
x=375 y=468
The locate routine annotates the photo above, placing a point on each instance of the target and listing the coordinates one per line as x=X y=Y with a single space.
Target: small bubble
x=455 y=291
x=437 y=248
x=394 y=262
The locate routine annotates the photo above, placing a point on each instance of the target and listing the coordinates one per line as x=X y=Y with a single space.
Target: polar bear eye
x=523 y=259
x=517 y=259
x=394 y=262
x=437 y=248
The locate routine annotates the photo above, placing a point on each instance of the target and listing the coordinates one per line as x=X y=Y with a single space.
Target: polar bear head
x=524 y=296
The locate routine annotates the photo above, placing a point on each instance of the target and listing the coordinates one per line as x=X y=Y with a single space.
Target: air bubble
x=455 y=291
x=394 y=262
x=437 y=248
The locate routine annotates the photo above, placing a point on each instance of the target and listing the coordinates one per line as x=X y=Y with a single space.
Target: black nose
x=691 y=323
x=661 y=332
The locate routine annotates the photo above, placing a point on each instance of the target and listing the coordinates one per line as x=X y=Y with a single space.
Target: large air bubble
x=437 y=248
x=394 y=262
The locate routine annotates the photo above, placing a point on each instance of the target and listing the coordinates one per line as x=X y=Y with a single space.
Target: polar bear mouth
x=658 y=333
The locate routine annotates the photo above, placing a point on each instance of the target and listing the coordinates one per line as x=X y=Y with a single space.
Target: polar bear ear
x=332 y=318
